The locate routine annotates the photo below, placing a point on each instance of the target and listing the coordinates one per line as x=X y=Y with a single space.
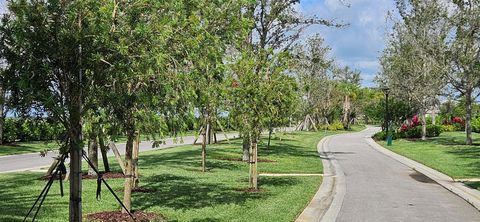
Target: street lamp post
x=386 y=90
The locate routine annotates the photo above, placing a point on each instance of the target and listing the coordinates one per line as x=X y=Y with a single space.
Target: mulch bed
x=240 y=159
x=251 y=190
x=118 y=216
x=109 y=175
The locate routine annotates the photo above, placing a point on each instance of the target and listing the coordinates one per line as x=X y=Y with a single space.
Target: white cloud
x=334 y=5
x=3 y=6
x=358 y=45
x=367 y=64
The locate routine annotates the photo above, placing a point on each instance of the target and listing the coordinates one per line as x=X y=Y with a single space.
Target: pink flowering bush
x=415 y=121
x=457 y=122
x=413 y=129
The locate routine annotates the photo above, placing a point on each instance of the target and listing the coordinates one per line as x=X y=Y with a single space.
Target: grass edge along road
x=446 y=153
x=41 y=146
x=184 y=194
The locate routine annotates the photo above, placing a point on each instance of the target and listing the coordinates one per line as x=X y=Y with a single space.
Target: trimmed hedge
x=415 y=132
x=332 y=127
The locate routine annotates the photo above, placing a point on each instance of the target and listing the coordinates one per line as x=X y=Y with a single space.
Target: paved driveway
x=378 y=188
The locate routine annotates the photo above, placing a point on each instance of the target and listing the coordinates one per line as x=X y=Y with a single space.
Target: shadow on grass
x=474 y=185
x=472 y=156
x=187 y=193
x=15 y=204
x=187 y=160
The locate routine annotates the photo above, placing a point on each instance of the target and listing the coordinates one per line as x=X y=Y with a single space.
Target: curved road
x=378 y=188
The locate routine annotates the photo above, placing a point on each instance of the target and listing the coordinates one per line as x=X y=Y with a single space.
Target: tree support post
x=136 y=147
x=253 y=165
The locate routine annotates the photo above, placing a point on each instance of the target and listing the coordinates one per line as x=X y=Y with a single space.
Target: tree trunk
x=253 y=164
x=136 y=147
x=424 y=126
x=269 y=137
x=468 y=118
x=104 y=150
x=92 y=153
x=209 y=133
x=346 y=112
x=204 y=148
x=2 y=114
x=246 y=148
x=76 y=149
x=127 y=194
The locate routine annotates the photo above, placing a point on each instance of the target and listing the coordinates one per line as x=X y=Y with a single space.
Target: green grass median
x=182 y=193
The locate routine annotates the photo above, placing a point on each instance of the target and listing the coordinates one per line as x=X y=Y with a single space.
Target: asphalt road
x=378 y=188
x=33 y=161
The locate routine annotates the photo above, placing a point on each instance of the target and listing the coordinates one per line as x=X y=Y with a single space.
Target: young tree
x=312 y=69
x=276 y=26
x=348 y=86
x=413 y=65
x=147 y=91
x=212 y=27
x=49 y=55
x=463 y=54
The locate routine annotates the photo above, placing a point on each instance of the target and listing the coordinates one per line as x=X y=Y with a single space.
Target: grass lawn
x=27 y=147
x=183 y=193
x=38 y=146
x=447 y=154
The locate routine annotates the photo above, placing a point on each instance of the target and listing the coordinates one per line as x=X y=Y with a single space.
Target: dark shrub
x=380 y=136
x=433 y=130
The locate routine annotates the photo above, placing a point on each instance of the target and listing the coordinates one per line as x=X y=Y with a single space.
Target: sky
x=358 y=45
x=2 y=6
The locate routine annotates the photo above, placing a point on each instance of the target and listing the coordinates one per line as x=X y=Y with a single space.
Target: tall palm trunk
x=346 y=111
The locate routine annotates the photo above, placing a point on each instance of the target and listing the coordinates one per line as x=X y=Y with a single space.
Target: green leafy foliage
x=20 y=129
x=335 y=126
x=476 y=125
x=448 y=128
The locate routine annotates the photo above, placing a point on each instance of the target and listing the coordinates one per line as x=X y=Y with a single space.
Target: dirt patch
x=240 y=159
x=109 y=175
x=250 y=190
x=115 y=216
